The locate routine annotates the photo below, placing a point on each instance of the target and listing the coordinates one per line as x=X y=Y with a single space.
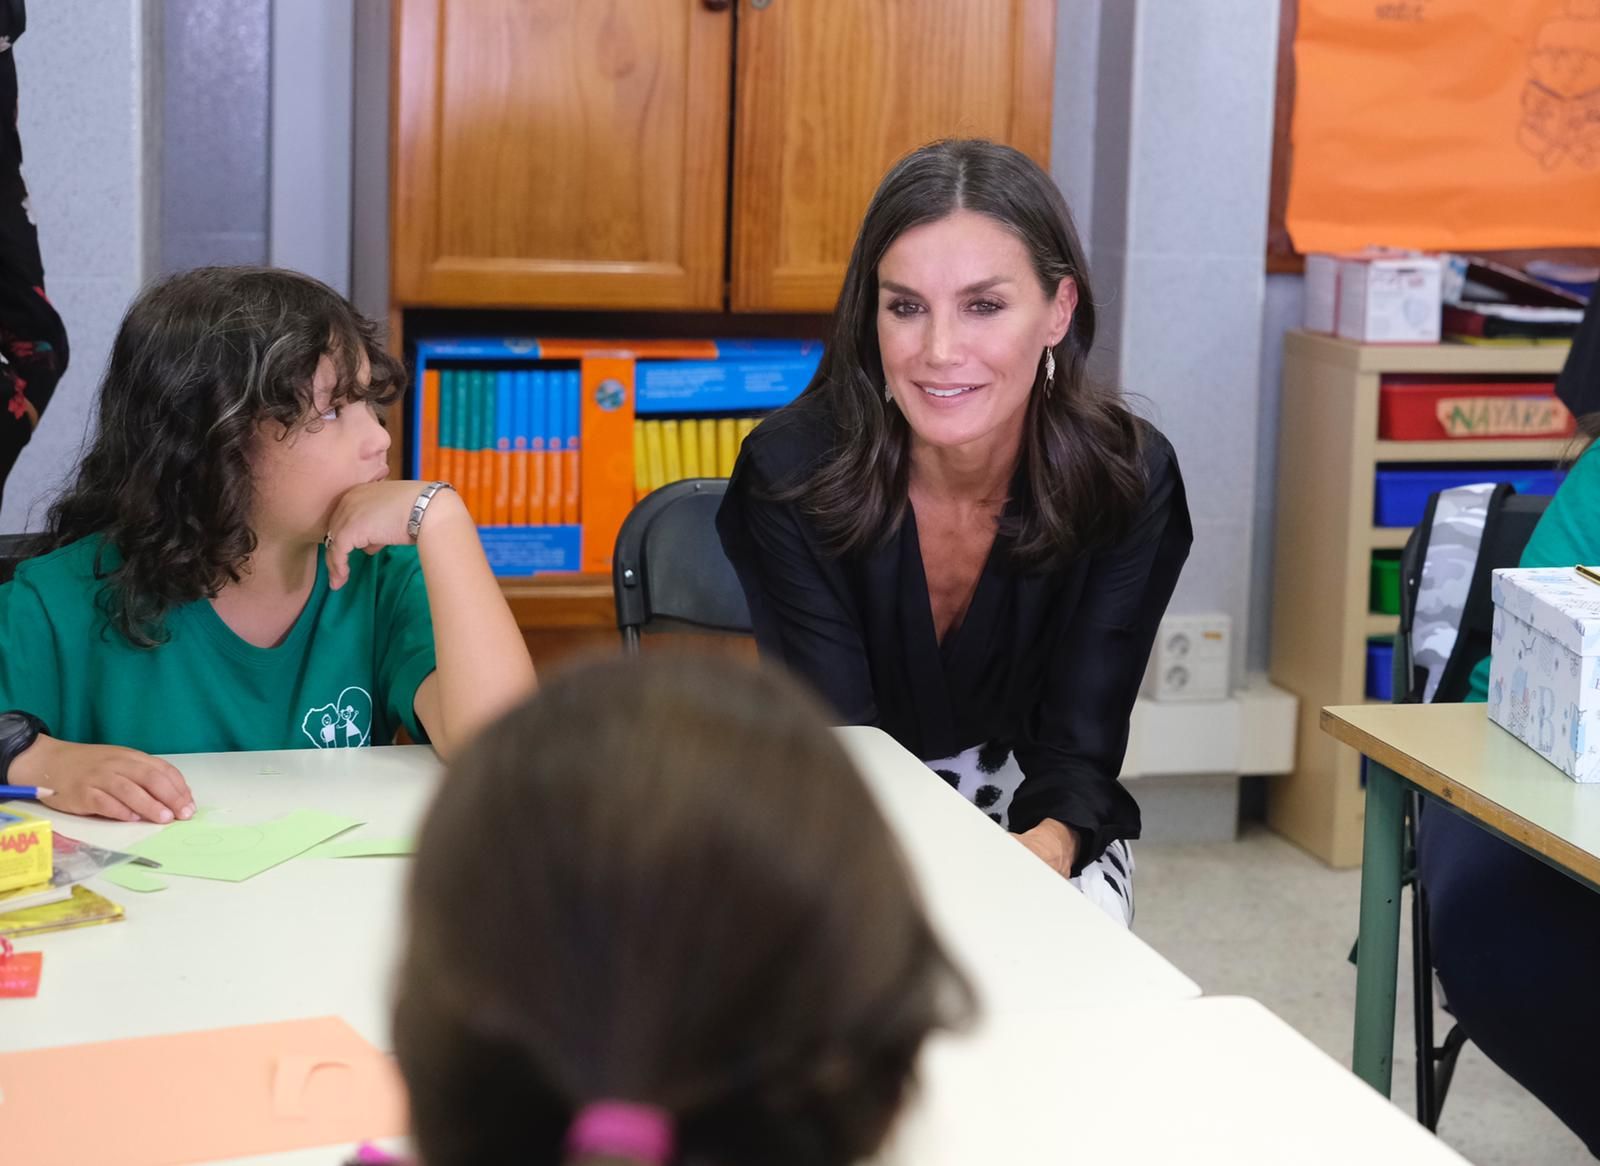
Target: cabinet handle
x=760 y=3
x=717 y=5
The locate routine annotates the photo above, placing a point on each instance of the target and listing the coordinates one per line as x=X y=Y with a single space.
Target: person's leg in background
x=1516 y=944
x=33 y=341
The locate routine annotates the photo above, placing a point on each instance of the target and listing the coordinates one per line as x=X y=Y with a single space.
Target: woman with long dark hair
x=955 y=533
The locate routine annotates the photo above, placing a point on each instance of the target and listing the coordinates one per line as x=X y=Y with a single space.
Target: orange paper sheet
x=198 y=1096
x=1446 y=124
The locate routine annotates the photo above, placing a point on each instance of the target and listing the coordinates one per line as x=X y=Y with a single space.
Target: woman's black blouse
x=1047 y=661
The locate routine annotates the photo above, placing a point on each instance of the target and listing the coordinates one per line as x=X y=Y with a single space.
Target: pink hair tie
x=622 y=1129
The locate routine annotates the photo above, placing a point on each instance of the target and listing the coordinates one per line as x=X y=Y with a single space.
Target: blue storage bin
x=1400 y=496
x=1380 y=667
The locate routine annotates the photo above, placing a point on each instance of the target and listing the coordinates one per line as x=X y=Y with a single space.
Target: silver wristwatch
x=420 y=507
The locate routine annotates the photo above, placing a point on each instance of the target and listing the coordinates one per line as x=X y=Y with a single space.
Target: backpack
x=1446 y=608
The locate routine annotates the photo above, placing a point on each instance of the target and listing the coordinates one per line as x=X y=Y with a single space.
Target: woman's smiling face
x=962 y=326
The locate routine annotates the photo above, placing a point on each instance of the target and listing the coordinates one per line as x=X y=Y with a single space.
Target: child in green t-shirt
x=201 y=588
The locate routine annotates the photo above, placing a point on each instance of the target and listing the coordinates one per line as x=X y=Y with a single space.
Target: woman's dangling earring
x=1049 y=370
x=887 y=396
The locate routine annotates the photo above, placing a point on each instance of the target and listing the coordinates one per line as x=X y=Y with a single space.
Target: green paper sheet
x=209 y=850
x=134 y=878
x=362 y=848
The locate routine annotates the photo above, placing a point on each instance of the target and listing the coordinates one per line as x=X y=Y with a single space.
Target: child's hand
x=107 y=781
x=373 y=516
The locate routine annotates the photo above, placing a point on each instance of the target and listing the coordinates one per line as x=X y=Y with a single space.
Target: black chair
x=668 y=571
x=13 y=549
x=1510 y=525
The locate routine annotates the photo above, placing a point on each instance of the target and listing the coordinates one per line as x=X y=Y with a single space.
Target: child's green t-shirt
x=346 y=675
x=1567 y=533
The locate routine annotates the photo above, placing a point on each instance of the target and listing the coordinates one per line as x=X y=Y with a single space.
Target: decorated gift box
x=1544 y=671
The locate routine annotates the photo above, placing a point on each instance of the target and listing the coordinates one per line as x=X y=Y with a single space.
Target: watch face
x=16 y=726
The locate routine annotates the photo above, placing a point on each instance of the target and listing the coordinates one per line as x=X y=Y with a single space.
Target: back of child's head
x=663 y=885
x=201 y=361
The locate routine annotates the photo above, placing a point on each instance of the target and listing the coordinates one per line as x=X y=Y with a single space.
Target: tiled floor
x=1259 y=917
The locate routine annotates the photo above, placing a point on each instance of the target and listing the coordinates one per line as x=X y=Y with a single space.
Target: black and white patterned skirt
x=988 y=777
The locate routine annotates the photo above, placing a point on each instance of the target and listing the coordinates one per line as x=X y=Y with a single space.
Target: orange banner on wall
x=1446 y=124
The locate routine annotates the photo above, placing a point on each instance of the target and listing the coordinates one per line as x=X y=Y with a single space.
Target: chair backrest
x=668 y=568
x=1508 y=519
x=13 y=549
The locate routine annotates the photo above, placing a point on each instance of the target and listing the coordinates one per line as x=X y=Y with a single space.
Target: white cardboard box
x=1544 y=665
x=1321 y=294
x=1389 y=299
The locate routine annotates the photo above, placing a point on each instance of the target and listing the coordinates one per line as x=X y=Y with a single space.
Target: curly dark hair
x=1081 y=451
x=201 y=360
x=663 y=881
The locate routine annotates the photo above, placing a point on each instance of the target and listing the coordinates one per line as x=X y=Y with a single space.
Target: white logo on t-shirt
x=344 y=724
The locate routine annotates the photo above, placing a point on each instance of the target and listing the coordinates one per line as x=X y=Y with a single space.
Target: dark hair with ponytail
x=663 y=883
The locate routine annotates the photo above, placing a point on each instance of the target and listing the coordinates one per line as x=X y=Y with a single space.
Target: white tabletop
x=1027 y=937
x=311 y=937
x=315 y=937
x=1216 y=1081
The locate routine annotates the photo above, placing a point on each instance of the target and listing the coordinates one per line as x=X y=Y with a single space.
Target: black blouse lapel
x=971 y=642
x=930 y=689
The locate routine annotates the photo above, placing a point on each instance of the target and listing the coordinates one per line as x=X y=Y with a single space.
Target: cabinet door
x=831 y=92
x=560 y=153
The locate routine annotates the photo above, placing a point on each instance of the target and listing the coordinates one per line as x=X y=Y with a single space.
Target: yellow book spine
x=655 y=455
x=708 y=447
x=672 y=450
x=689 y=435
x=641 y=462
x=727 y=445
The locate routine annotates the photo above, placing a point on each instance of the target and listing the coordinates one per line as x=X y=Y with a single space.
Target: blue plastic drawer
x=1400 y=497
x=1380 y=667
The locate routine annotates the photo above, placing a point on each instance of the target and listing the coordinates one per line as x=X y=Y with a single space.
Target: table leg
x=1378 y=954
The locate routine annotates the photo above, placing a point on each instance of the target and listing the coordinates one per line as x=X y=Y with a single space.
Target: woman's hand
x=1053 y=842
x=368 y=518
x=107 y=781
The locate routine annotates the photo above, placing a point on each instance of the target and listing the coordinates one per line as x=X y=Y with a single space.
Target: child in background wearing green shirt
x=231 y=570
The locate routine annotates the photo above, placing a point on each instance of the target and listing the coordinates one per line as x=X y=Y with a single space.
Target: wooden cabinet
x=560 y=153
x=831 y=92
x=575 y=153
x=1328 y=453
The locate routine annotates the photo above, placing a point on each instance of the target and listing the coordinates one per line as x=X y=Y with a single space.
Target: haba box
x=1544 y=670
x=25 y=849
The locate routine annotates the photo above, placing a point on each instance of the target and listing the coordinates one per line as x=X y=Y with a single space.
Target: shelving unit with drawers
x=1329 y=453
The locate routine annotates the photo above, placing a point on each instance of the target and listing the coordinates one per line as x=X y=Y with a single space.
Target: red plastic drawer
x=1418 y=409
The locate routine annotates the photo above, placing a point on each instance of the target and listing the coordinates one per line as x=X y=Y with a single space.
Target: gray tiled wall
x=214 y=158
x=1182 y=132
